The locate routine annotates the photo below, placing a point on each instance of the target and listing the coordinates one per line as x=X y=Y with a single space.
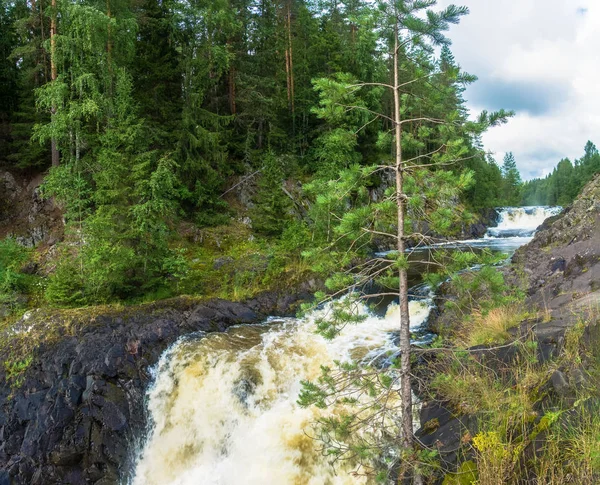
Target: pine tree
x=420 y=189
x=511 y=181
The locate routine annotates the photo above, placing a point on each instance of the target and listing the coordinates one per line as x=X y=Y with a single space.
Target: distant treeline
x=565 y=182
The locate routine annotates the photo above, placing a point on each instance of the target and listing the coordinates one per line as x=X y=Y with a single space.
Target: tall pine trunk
x=53 y=74
x=109 y=48
x=405 y=377
x=291 y=57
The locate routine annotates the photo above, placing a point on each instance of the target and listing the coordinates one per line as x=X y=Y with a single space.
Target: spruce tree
x=511 y=181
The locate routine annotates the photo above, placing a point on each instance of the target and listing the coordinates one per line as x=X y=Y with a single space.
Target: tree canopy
x=157 y=109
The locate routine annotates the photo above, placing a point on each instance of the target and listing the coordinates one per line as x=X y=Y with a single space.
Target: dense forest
x=566 y=180
x=179 y=178
x=147 y=116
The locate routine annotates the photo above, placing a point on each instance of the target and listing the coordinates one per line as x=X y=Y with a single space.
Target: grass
x=492 y=327
x=571 y=450
x=472 y=386
x=228 y=264
x=15 y=371
x=525 y=432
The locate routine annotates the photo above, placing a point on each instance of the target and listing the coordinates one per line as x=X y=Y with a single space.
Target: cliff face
x=74 y=414
x=562 y=262
x=24 y=214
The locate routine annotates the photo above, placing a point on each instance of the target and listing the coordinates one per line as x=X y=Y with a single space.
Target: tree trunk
x=109 y=48
x=53 y=74
x=232 y=101
x=291 y=56
x=38 y=54
x=405 y=377
x=287 y=76
x=231 y=82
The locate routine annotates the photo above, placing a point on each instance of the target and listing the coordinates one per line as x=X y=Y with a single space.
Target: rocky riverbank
x=73 y=383
x=559 y=272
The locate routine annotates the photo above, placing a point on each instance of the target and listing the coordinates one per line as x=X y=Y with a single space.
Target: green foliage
x=273 y=207
x=118 y=209
x=566 y=180
x=66 y=285
x=341 y=312
x=15 y=371
x=12 y=257
x=483 y=290
x=511 y=181
x=13 y=282
x=465 y=475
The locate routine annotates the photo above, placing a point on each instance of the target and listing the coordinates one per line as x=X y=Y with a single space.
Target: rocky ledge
x=72 y=410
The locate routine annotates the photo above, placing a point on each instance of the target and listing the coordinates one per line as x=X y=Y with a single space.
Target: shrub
x=12 y=280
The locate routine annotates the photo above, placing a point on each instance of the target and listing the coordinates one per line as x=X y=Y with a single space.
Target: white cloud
x=539 y=42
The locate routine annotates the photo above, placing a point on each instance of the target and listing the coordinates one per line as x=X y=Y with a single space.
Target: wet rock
x=65 y=456
x=82 y=403
x=4 y=477
x=109 y=415
x=560 y=383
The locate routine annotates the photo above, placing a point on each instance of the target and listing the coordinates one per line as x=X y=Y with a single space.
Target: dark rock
x=82 y=402
x=224 y=261
x=558 y=265
x=115 y=357
x=4 y=477
x=30 y=268
x=65 y=457
x=109 y=415
x=560 y=383
x=579 y=378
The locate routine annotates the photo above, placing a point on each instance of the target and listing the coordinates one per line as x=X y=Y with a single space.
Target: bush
x=66 y=286
x=273 y=206
x=12 y=280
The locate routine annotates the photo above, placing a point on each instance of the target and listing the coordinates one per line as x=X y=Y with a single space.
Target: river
x=223 y=409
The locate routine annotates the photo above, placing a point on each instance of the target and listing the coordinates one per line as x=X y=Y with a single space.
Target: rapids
x=222 y=409
x=521 y=221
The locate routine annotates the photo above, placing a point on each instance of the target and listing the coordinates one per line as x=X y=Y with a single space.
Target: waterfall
x=223 y=406
x=521 y=221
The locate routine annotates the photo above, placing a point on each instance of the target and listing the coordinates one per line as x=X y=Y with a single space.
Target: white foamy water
x=224 y=406
x=516 y=227
x=521 y=221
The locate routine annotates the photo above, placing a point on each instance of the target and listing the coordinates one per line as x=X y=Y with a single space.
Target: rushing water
x=521 y=221
x=223 y=406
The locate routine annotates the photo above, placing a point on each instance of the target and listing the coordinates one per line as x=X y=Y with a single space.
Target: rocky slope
x=560 y=271
x=73 y=414
x=561 y=266
x=24 y=214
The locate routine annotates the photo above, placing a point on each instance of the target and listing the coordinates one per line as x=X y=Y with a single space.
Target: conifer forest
x=280 y=216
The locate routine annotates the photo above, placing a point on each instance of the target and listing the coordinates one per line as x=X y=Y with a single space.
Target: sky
x=539 y=58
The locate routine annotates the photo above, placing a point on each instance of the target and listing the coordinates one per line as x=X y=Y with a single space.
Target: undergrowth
x=527 y=431
x=225 y=262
